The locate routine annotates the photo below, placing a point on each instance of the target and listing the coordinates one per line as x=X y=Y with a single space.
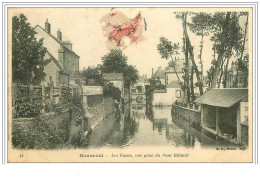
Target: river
x=143 y=126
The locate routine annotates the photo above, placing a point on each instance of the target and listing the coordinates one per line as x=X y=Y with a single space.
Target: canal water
x=144 y=126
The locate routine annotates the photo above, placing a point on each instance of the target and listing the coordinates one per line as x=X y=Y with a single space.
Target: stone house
x=64 y=65
x=168 y=77
x=160 y=74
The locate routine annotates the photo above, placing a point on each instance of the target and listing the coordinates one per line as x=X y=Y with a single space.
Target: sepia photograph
x=130 y=84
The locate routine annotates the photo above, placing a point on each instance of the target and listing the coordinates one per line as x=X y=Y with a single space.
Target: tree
x=227 y=38
x=92 y=76
x=115 y=61
x=28 y=54
x=242 y=62
x=226 y=35
x=189 y=47
x=155 y=84
x=199 y=25
x=110 y=90
x=167 y=49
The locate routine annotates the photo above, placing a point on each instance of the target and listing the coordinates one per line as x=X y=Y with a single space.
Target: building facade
x=172 y=79
x=64 y=63
x=138 y=91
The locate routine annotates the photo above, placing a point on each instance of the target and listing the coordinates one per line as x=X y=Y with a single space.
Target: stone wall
x=98 y=109
x=109 y=106
x=186 y=117
x=63 y=119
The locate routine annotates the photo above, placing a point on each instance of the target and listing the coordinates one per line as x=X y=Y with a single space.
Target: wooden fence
x=40 y=93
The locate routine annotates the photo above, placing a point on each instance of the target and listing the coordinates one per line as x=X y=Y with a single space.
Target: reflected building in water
x=147 y=126
x=162 y=122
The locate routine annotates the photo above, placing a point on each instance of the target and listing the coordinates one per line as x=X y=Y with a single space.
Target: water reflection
x=147 y=126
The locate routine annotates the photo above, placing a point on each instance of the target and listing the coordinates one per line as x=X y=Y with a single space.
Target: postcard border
x=6 y=5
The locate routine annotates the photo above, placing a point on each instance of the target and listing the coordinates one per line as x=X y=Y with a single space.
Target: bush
x=110 y=90
x=24 y=107
x=39 y=135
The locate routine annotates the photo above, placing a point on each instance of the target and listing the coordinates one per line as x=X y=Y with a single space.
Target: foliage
x=232 y=38
x=167 y=49
x=115 y=61
x=110 y=90
x=28 y=54
x=242 y=69
x=210 y=73
x=226 y=34
x=92 y=76
x=39 y=135
x=155 y=84
x=227 y=37
x=72 y=102
x=244 y=64
x=24 y=107
x=200 y=24
x=43 y=134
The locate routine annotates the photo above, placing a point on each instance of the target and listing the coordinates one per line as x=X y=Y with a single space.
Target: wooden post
x=217 y=120
x=51 y=92
x=239 y=137
x=43 y=98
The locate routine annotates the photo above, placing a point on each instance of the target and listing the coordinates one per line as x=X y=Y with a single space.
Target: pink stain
x=127 y=29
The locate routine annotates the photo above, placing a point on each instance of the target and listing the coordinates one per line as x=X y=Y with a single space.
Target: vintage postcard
x=124 y=84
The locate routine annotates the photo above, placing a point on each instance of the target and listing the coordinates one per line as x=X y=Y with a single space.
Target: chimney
x=59 y=35
x=47 y=27
x=152 y=71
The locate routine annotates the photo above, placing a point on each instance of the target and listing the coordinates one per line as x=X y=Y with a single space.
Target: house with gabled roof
x=172 y=79
x=64 y=63
x=160 y=74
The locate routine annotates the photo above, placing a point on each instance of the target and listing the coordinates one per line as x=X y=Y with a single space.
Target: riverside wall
x=186 y=117
x=98 y=108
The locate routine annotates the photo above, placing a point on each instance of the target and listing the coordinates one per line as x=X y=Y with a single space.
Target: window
x=133 y=90
x=139 y=89
x=167 y=78
x=178 y=93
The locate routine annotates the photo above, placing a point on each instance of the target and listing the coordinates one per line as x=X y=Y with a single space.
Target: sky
x=83 y=27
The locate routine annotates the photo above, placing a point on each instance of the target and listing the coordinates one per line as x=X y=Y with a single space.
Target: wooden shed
x=221 y=113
